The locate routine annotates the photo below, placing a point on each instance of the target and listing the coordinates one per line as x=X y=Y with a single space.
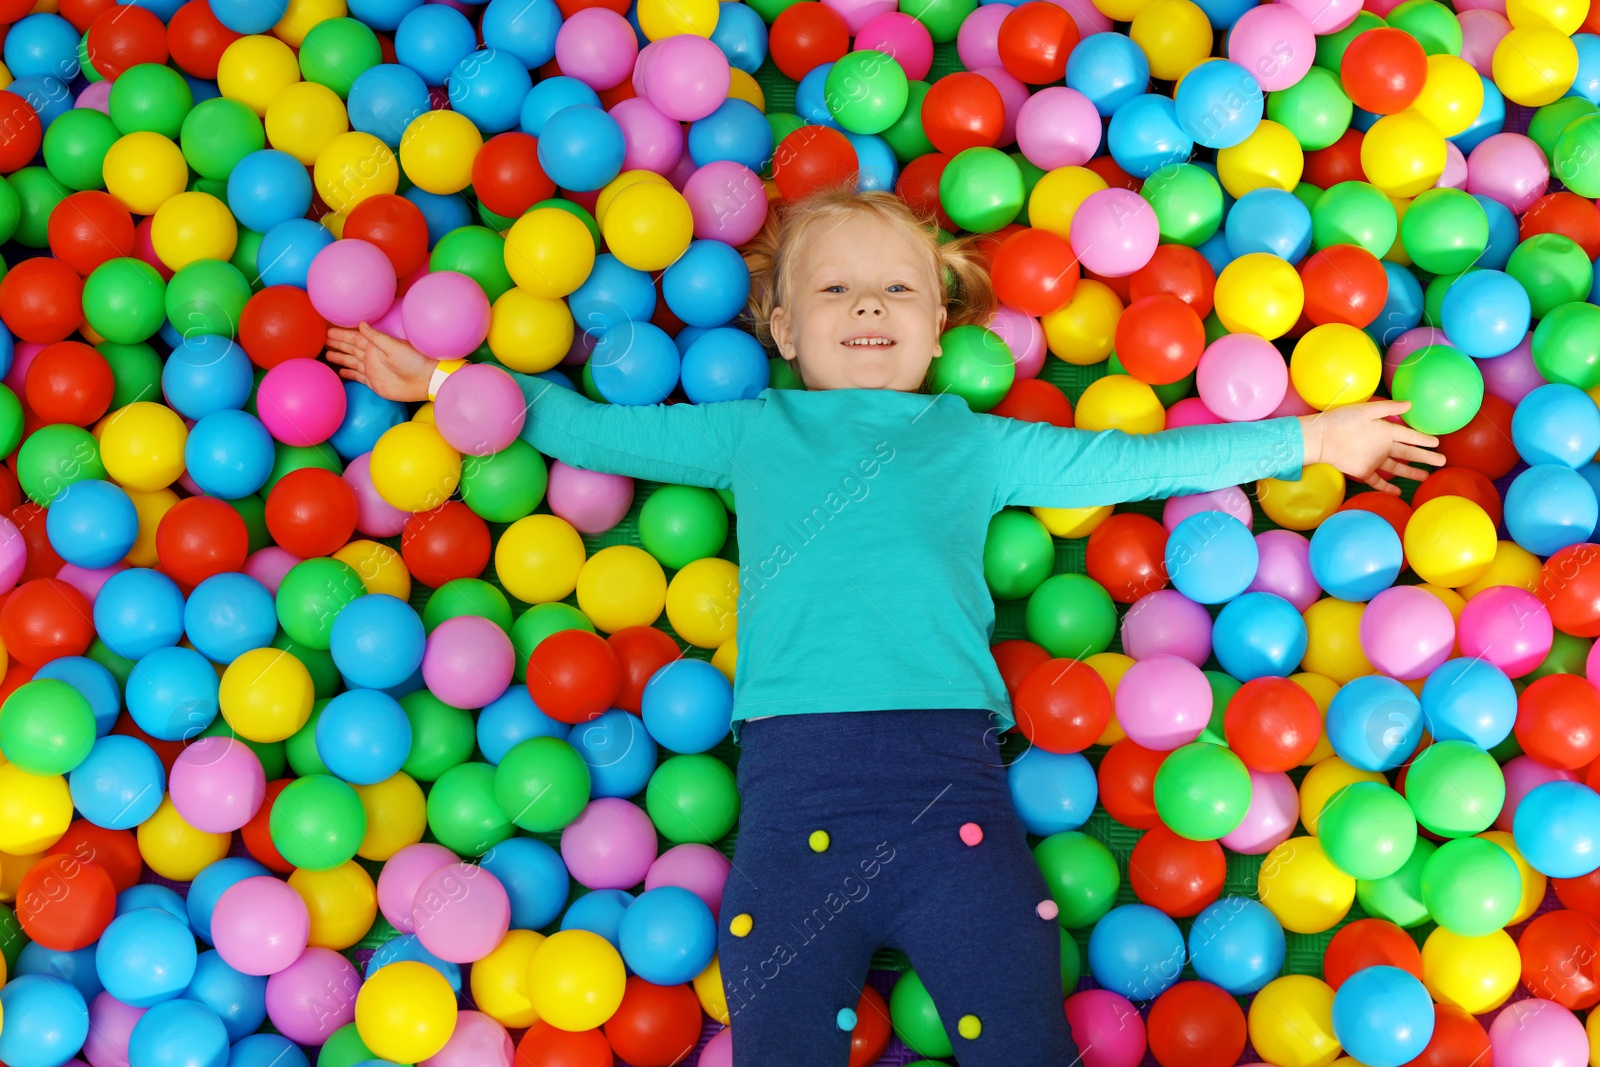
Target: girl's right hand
x=387 y=365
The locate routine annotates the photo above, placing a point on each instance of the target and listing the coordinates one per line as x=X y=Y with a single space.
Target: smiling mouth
x=868 y=343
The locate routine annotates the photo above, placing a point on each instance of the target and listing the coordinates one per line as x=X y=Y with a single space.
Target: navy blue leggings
x=892 y=790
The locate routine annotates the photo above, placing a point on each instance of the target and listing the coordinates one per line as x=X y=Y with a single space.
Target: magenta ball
x=479 y=410
x=1510 y=168
x=21 y=360
x=467 y=662
x=1406 y=632
x=1275 y=43
x=727 y=201
x=1058 y=127
x=1285 y=568
x=269 y=565
x=351 y=282
x=1191 y=411
x=1166 y=621
x=687 y=78
x=13 y=554
x=1163 y=702
x=1507 y=626
x=1109 y=1024
x=857 y=13
x=1513 y=375
x=96 y=95
x=1523 y=775
x=1229 y=501
x=682 y=171
x=217 y=784
x=597 y=47
x=393 y=321
x=1115 y=232
x=592 y=502
x=477 y=1041
x=1241 y=377
x=1407 y=343
x=653 y=141
x=1013 y=94
x=446 y=315
x=1270 y=819
x=375 y=516
x=461 y=912
x=260 y=925
x=313 y=996
x=111 y=1023
x=1538 y=1033
x=1326 y=16
x=88 y=580
x=402 y=874
x=1023 y=336
x=718 y=1051
x=1591 y=665
x=978 y=39
x=1455 y=169
x=897 y=34
x=1481 y=33
x=700 y=869
x=301 y=402
x=611 y=845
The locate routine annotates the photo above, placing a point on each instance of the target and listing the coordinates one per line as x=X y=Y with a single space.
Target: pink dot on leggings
x=971 y=833
x=1047 y=909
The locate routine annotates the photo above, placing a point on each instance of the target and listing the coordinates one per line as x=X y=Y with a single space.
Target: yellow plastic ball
x=1335 y=364
x=707 y=986
x=253 y=70
x=1120 y=402
x=741 y=86
x=665 y=18
x=1069 y=523
x=174 y=849
x=1120 y=10
x=1259 y=293
x=1397 y=251
x=304 y=118
x=334 y=222
x=1174 y=35
x=12 y=868
x=35 y=810
x=1291 y=1022
x=703 y=602
x=303 y=15
x=726 y=658
x=1270 y=158
x=1512 y=565
x=397 y=815
x=266 y=695
x=151 y=508
x=1534 y=66
x=1325 y=778
x=1476 y=974
x=343 y=903
x=1303 y=504
x=1083 y=331
x=1567 y=16
x=539 y=558
x=1321 y=689
x=622 y=586
x=352 y=167
x=500 y=980
x=549 y=252
x=1403 y=154
x=648 y=226
x=1452 y=95
x=380 y=567
x=1057 y=196
x=5 y=76
x=142 y=446
x=414 y=468
x=144 y=170
x=1333 y=640
x=1450 y=541
x=1451 y=599
x=1110 y=666
x=1302 y=888
x=528 y=333
x=1533 y=883
x=193 y=226
x=626 y=180
x=437 y=151
x=405 y=1012
x=575 y=980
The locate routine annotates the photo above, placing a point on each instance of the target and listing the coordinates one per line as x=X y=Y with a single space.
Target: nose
x=869 y=304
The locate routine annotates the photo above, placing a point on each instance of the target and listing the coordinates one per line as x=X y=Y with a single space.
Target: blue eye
x=898 y=287
x=831 y=288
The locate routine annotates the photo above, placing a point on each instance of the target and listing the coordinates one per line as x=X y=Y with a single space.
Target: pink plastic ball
x=1325 y=16
x=1455 y=169
x=404 y=872
x=351 y=282
x=1513 y=375
x=1481 y=33
x=477 y=1041
x=88 y=581
x=260 y=925
x=446 y=314
x=700 y=869
x=301 y=402
x=409 y=282
x=217 y=784
x=1507 y=626
x=1107 y=1028
x=978 y=39
x=682 y=171
x=1591 y=665
x=688 y=77
x=597 y=47
x=1270 y=819
x=111 y=1023
x=727 y=201
x=392 y=322
x=1023 y=336
x=1523 y=775
x=21 y=359
x=611 y=845
x=592 y=502
x=479 y=410
x=1497 y=6
x=467 y=662
x=1166 y=621
x=1230 y=501
x=314 y=996
x=1285 y=568
x=1013 y=94
x=1058 y=127
x=857 y=13
x=1413 y=339
x=1406 y=632
x=1115 y=232
x=897 y=34
x=461 y=912
x=269 y=565
x=1538 y=1033
x=375 y=516
x=641 y=66
x=1241 y=377
x=1163 y=702
x=653 y=141
x=13 y=554
x=1191 y=411
x=1510 y=168
x=96 y=95
x=1276 y=44
x=1293 y=404
x=719 y=1050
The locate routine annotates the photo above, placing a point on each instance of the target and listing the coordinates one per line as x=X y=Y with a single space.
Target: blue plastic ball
x=635 y=363
x=1215 y=249
x=49 y=97
x=1557 y=829
x=138 y=611
x=363 y=736
x=1219 y=104
x=708 y=285
x=172 y=693
x=510 y=719
x=1109 y=69
x=620 y=753
x=286 y=251
x=385 y=99
x=1355 y=555
x=97 y=684
x=209 y=885
x=1222 y=14
x=178 y=1033
x=377 y=641
x=737 y=130
x=144 y=957
x=487 y=86
x=1469 y=700
x=1053 y=791
x=238 y=999
x=267 y=1050
x=1238 y=944
x=688 y=705
x=811 y=98
x=1144 y=136
x=1490 y=121
x=442 y=212
x=408 y=947
x=92 y=524
x=667 y=935
x=725 y=364
x=1211 y=557
x=581 y=148
x=1504 y=235
x=268 y=187
x=1374 y=723
x=1383 y=1016
x=150 y=895
x=76 y=967
x=432 y=39
x=599 y=912
x=249 y=16
x=1548 y=507
x=875 y=161
x=1136 y=950
x=1258 y=635
x=550 y=96
x=525 y=29
x=1486 y=313
x=229 y=454
x=119 y=784
x=366 y=416
x=382 y=15
x=741 y=35
x=229 y=614
x=46 y=1021
x=207 y=373
x=1402 y=307
x=535 y=878
x=1556 y=423
x=42 y=44
x=1269 y=220
x=612 y=293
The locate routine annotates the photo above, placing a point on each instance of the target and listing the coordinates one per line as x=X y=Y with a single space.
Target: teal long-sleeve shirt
x=863 y=515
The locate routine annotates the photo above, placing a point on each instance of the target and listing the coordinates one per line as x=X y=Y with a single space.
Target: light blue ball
x=1053 y=791
x=1374 y=723
x=209 y=885
x=875 y=160
x=408 y=948
x=688 y=705
x=268 y=187
x=535 y=878
x=1490 y=121
x=76 y=967
x=667 y=935
x=1269 y=220
x=487 y=87
x=207 y=373
x=267 y=1050
x=229 y=614
x=1215 y=249
x=172 y=694
x=635 y=363
x=1548 y=507
x=119 y=784
x=229 y=454
x=92 y=524
x=385 y=99
x=1355 y=555
x=250 y=16
x=1137 y=951
x=287 y=250
x=1211 y=557
x=1383 y=1016
x=581 y=148
x=1557 y=829
x=42 y=44
x=599 y=912
x=525 y=29
x=725 y=364
x=377 y=641
x=443 y=214
x=1145 y=136
x=511 y=718
x=1469 y=700
x=1259 y=635
x=741 y=35
x=94 y=681
x=550 y=96
x=613 y=293
x=432 y=39
x=1556 y=423
x=1238 y=944
x=1504 y=235
x=811 y=98
x=1587 y=83
x=46 y=1021
x=383 y=15
x=1486 y=313
x=620 y=753
x=239 y=1000
x=178 y=1033
x=708 y=285
x=736 y=130
x=366 y=417
x=1109 y=69
x=363 y=736
x=138 y=611
x=1222 y=14
x=49 y=97
x=144 y=957
x=154 y=896
x=1402 y=307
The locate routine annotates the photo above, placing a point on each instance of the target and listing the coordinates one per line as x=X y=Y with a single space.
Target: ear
x=783 y=333
x=940 y=319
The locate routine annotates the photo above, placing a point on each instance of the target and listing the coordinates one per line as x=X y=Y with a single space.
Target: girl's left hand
x=1360 y=441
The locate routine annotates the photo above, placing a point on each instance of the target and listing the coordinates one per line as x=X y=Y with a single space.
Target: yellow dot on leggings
x=969 y=1027
x=741 y=924
x=819 y=841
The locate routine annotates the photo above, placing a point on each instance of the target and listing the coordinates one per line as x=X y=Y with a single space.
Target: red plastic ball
x=42 y=559
x=1484 y=443
x=65 y=903
x=1457 y=1039
x=197 y=38
x=1383 y=70
x=1390 y=509
x=544 y=1045
x=444 y=544
x=641 y=651
x=1127 y=554
x=1114 y=177
x=1344 y=283
x=20 y=132
x=89 y=228
x=812 y=158
x=573 y=676
x=69 y=382
x=1272 y=724
x=1196 y=1024
x=507 y=176
x=1581 y=893
x=257 y=833
x=1160 y=339
x=82 y=13
x=1558 y=951
x=1063 y=705
x=115 y=851
x=1127 y=778
x=987 y=244
x=653 y=1024
x=1179 y=270
x=1035 y=271
x=1464 y=482
x=312 y=512
x=41 y=300
x=1179 y=876
x=963 y=110
x=1035 y=400
x=124 y=37
x=45 y=619
x=1567 y=214
x=1035 y=40
x=199 y=537
x=395 y=225
x=279 y=323
x=1339 y=162
x=918 y=186
x=1015 y=658
x=1558 y=720
x=870 y=1037
x=805 y=36
x=1369 y=943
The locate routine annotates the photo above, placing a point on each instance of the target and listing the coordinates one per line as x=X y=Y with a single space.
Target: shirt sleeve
x=1042 y=465
x=681 y=444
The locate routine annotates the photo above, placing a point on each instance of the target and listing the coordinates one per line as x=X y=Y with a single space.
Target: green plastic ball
x=865 y=91
x=1471 y=886
x=325 y=677
x=253 y=510
x=1331 y=46
x=1071 y=615
x=311 y=596
x=975 y=365
x=1223 y=686
x=1554 y=270
x=344 y=1048
x=679 y=524
x=915 y=1017
x=54 y=457
x=1445 y=388
x=135 y=370
x=47 y=728
x=1568 y=655
x=981 y=189
x=150 y=97
x=505 y=486
x=38 y=192
x=217 y=134
x=1082 y=876
x=335 y=52
x=1434 y=26
x=86 y=65
x=542 y=784
x=1315 y=109
x=692 y=798
x=244 y=256
x=905 y=135
x=467 y=596
x=1018 y=554
x=479 y=253
x=1566 y=345
x=1455 y=788
x=1445 y=231
x=1187 y=201
x=441 y=736
x=1433 y=299
x=463 y=813
x=287 y=458
x=11 y=420
x=1202 y=791
x=124 y=301
x=10 y=216
x=75 y=147
x=1568 y=156
x=770 y=9
x=943 y=18
x=1367 y=830
x=317 y=823
x=1398 y=898
x=207 y=297
x=272 y=754
x=1355 y=213
x=538 y=623
x=300 y=750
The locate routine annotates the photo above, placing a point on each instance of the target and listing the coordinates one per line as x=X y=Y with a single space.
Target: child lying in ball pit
x=868 y=708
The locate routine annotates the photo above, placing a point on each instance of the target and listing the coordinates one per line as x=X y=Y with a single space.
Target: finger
x=1403 y=470
x=344 y=358
x=1384 y=408
x=339 y=333
x=1381 y=485
x=355 y=376
x=1416 y=437
x=1419 y=455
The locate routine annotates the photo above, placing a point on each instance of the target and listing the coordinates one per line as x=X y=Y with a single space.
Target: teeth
x=869 y=342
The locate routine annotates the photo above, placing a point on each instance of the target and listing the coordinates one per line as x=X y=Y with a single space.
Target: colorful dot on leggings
x=969 y=1027
x=819 y=841
x=741 y=924
x=846 y=1019
x=1048 y=909
x=971 y=833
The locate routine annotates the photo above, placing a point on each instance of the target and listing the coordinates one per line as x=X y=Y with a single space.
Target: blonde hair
x=965 y=290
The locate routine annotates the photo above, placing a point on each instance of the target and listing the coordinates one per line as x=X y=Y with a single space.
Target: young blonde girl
x=868 y=708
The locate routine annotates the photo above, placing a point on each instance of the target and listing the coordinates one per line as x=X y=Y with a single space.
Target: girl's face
x=863 y=308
